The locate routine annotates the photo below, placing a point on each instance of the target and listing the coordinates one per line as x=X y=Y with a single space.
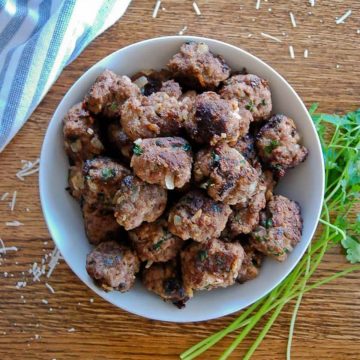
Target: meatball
x=245 y=216
x=118 y=140
x=137 y=201
x=164 y=279
x=196 y=66
x=280 y=228
x=109 y=92
x=76 y=181
x=198 y=217
x=172 y=88
x=153 y=242
x=251 y=92
x=213 y=119
x=278 y=144
x=156 y=115
x=211 y=265
x=228 y=176
x=81 y=138
x=100 y=224
x=251 y=264
x=102 y=180
x=163 y=161
x=112 y=266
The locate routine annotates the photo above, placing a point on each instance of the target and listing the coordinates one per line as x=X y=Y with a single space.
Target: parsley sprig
x=342 y=189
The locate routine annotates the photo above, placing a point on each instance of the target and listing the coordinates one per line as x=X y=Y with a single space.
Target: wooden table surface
x=328 y=325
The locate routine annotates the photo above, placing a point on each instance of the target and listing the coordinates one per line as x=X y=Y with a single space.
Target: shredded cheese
x=20 y=284
x=50 y=288
x=258 y=3
x=4 y=196
x=13 y=223
x=4 y=249
x=182 y=31
x=291 y=51
x=13 y=201
x=196 y=9
x=55 y=256
x=28 y=168
x=312 y=2
x=306 y=53
x=156 y=9
x=292 y=18
x=71 y=330
x=44 y=301
x=342 y=19
x=270 y=37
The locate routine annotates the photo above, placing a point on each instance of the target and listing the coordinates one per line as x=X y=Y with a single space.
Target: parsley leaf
x=137 y=150
x=273 y=145
x=352 y=248
x=108 y=173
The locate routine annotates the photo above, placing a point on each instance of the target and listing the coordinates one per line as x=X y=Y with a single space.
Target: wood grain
x=328 y=325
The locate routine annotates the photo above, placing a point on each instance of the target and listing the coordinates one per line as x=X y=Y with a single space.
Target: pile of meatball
x=174 y=171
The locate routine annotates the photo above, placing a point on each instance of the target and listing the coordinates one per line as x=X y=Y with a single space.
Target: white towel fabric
x=38 y=38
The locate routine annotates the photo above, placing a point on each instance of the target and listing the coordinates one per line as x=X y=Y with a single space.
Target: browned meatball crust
x=210 y=265
x=278 y=144
x=165 y=280
x=153 y=242
x=172 y=88
x=156 y=115
x=226 y=175
x=251 y=92
x=137 y=201
x=213 y=119
x=102 y=180
x=164 y=161
x=197 y=66
x=109 y=92
x=280 y=228
x=198 y=217
x=118 y=140
x=251 y=264
x=76 y=181
x=245 y=216
x=112 y=266
x=100 y=224
x=81 y=137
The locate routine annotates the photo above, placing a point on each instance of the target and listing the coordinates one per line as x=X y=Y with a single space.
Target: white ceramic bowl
x=304 y=184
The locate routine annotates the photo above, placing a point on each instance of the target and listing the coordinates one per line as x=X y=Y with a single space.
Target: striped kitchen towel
x=38 y=38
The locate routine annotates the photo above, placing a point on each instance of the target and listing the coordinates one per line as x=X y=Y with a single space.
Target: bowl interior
x=63 y=216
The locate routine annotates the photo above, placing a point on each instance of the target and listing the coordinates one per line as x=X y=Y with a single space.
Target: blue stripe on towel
x=14 y=24
x=22 y=72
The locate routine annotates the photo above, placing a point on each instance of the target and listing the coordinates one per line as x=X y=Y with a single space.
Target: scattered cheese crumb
x=182 y=31
x=44 y=301
x=196 y=8
x=249 y=35
x=50 y=288
x=27 y=210
x=156 y=9
x=51 y=309
x=258 y=3
x=13 y=223
x=306 y=53
x=91 y=300
x=270 y=10
x=270 y=37
x=37 y=337
x=358 y=31
x=312 y=2
x=291 y=51
x=71 y=330
x=292 y=18
x=337 y=66
x=20 y=284
x=342 y=19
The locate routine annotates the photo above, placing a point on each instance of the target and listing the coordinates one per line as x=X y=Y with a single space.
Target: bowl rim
x=42 y=172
